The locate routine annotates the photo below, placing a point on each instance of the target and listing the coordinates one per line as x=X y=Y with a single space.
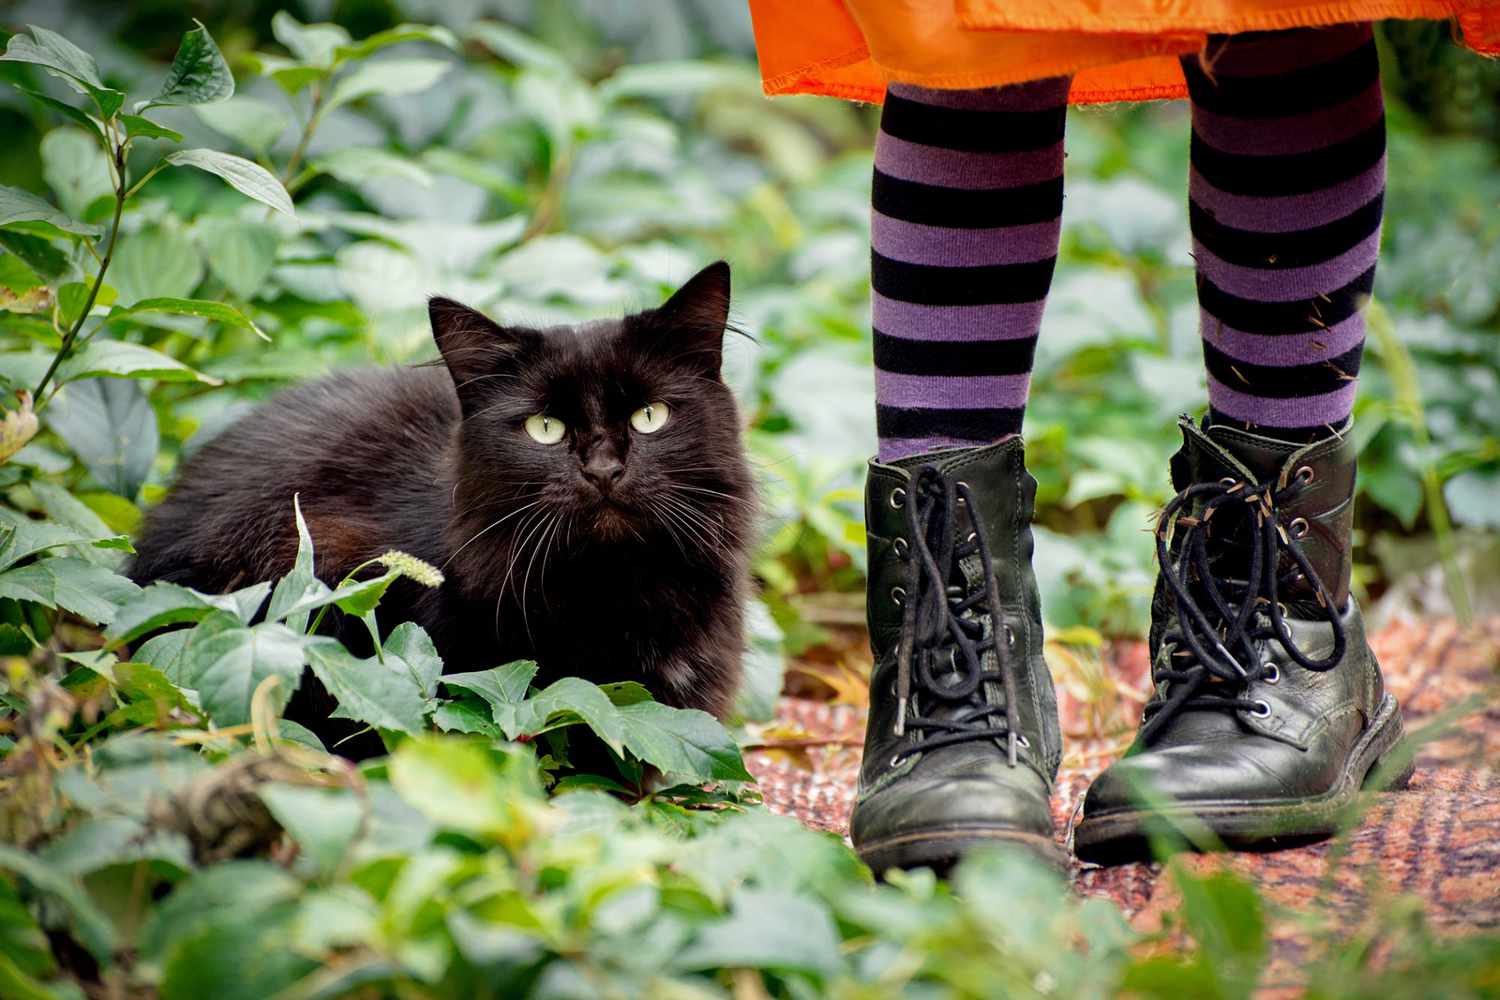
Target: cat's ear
x=474 y=347
x=693 y=320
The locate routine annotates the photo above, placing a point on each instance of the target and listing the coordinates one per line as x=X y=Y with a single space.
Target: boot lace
x=940 y=655
x=1221 y=623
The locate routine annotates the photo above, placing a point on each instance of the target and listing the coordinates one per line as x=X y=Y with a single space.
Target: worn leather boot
x=963 y=743
x=1269 y=713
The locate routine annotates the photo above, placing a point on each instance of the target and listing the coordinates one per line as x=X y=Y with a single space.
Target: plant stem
x=307 y=134
x=88 y=305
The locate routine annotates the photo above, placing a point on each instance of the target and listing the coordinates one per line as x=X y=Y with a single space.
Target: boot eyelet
x=896 y=760
x=1262 y=709
x=971 y=536
x=1285 y=612
x=898 y=596
x=1010 y=640
x=898 y=498
x=1304 y=475
x=1300 y=527
x=962 y=486
x=1023 y=742
x=1229 y=482
x=1270 y=673
x=900 y=547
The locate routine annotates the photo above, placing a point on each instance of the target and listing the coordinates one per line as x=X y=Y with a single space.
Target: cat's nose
x=604 y=473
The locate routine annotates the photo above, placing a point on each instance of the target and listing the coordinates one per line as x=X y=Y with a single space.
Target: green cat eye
x=547 y=430
x=650 y=418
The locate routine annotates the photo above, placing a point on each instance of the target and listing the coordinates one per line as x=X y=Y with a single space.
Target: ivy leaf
x=111 y=425
x=500 y=686
x=323 y=821
x=67 y=62
x=413 y=646
x=23 y=206
x=94 y=928
x=384 y=695
x=77 y=585
x=138 y=127
x=162 y=604
x=231 y=891
x=227 y=667
x=20 y=536
x=250 y=179
x=297 y=592
x=198 y=75
x=767 y=928
x=682 y=742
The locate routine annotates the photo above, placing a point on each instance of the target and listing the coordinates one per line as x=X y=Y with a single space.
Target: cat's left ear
x=474 y=347
x=693 y=320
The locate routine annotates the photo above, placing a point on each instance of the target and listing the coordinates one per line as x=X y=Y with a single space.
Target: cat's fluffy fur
x=612 y=554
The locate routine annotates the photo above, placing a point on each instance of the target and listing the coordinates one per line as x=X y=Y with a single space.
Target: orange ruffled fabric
x=1118 y=50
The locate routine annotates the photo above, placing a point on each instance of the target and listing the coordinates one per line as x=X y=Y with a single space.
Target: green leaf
x=43 y=258
x=675 y=79
x=767 y=929
x=254 y=123
x=517 y=47
x=162 y=604
x=78 y=117
x=357 y=164
x=227 y=892
x=77 y=585
x=156 y=262
x=21 y=536
x=218 y=312
x=138 y=127
x=248 y=958
x=101 y=841
x=383 y=695
x=683 y=742
x=323 y=821
x=93 y=927
x=500 y=686
x=23 y=206
x=451 y=716
x=311 y=43
x=764 y=665
x=388 y=78
x=71 y=512
x=291 y=75
x=300 y=587
x=111 y=426
x=464 y=787
x=75 y=168
x=413 y=646
x=248 y=178
x=562 y=703
x=122 y=359
x=227 y=667
x=1471 y=498
x=241 y=253
x=198 y=75
x=392 y=36
x=67 y=62
x=21 y=939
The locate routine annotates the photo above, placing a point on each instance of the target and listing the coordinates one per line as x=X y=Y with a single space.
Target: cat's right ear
x=474 y=347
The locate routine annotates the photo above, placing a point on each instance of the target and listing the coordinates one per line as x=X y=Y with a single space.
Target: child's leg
x=1288 y=173
x=966 y=207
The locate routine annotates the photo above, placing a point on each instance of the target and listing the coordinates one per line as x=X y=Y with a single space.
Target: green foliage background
x=550 y=162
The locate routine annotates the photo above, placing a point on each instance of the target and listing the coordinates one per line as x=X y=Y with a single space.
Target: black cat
x=584 y=490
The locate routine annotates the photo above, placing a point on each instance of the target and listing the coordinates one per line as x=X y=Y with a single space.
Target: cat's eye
x=547 y=430
x=650 y=418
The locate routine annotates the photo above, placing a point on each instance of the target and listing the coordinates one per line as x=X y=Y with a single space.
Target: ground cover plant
x=185 y=228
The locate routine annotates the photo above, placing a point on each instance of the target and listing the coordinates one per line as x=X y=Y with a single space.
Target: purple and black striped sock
x=1286 y=189
x=967 y=202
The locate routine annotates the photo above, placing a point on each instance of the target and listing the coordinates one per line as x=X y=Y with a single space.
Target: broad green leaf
x=241 y=253
x=39 y=254
x=67 y=62
x=1471 y=498
x=218 y=312
x=248 y=178
x=458 y=717
x=123 y=359
x=504 y=685
x=676 y=79
x=226 y=892
x=311 y=43
x=764 y=665
x=111 y=426
x=23 y=206
x=101 y=841
x=413 y=646
x=75 y=168
x=357 y=164
x=21 y=938
x=462 y=786
x=21 y=536
x=323 y=821
x=767 y=929
x=301 y=586
x=291 y=75
x=162 y=604
x=71 y=512
x=384 y=695
x=156 y=262
x=226 y=668
x=93 y=928
x=77 y=585
x=683 y=742
x=78 y=116
x=253 y=122
x=387 y=78
x=73 y=297
x=246 y=958
x=562 y=703
x=198 y=75
x=392 y=36
x=139 y=127
x=517 y=47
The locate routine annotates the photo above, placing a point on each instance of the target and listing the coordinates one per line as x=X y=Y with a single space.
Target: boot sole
x=941 y=850
x=1130 y=835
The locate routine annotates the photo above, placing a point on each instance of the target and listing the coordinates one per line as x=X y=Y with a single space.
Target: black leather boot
x=1269 y=713
x=963 y=742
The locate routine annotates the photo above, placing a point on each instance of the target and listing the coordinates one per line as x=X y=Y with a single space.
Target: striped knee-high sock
x=1286 y=189
x=966 y=210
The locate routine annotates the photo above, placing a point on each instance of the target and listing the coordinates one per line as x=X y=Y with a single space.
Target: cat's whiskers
x=546 y=534
x=701 y=530
x=493 y=524
x=535 y=518
x=717 y=493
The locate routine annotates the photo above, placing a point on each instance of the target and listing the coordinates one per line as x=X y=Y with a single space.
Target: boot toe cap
x=1192 y=775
